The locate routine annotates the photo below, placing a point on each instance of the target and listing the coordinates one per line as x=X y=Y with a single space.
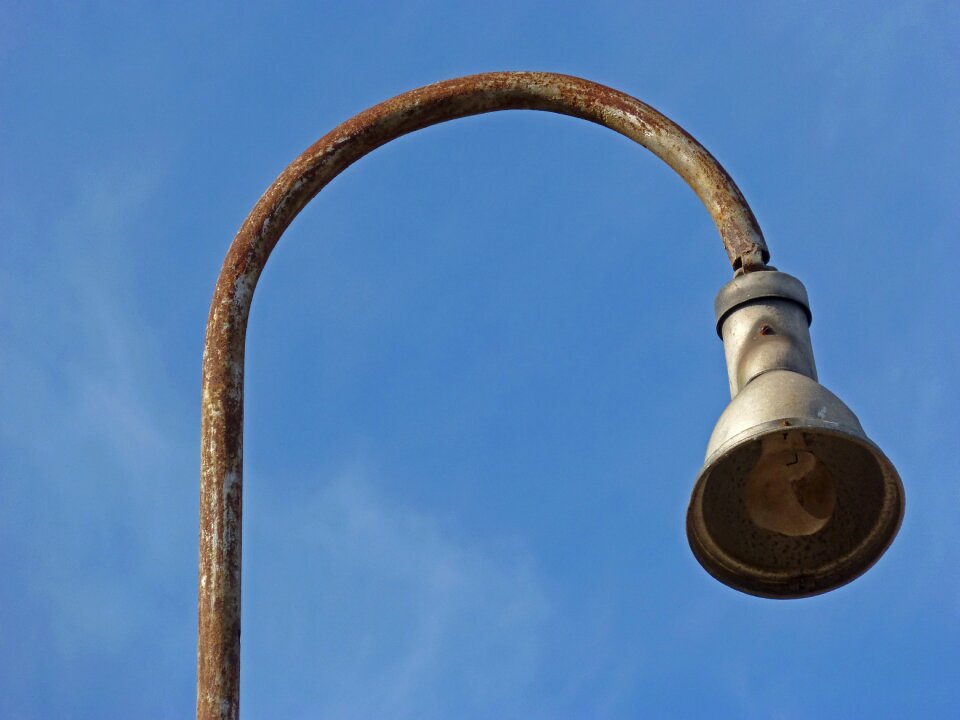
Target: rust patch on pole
x=221 y=464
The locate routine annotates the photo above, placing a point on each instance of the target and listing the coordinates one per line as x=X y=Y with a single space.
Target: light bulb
x=789 y=491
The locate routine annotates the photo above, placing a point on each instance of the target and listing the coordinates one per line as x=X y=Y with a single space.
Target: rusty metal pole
x=221 y=468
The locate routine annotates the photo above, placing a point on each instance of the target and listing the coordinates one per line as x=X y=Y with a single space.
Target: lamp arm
x=218 y=653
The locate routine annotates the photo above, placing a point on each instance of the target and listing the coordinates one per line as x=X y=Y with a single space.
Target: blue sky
x=481 y=364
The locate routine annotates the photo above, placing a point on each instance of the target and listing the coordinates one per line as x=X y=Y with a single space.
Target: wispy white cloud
x=403 y=617
x=97 y=543
x=360 y=606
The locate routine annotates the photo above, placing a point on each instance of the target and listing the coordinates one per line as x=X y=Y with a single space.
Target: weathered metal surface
x=218 y=681
x=764 y=321
x=786 y=456
x=793 y=499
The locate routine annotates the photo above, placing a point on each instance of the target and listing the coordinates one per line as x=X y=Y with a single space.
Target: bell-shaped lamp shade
x=793 y=499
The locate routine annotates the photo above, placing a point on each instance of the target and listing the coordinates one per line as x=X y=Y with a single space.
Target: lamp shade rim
x=805 y=581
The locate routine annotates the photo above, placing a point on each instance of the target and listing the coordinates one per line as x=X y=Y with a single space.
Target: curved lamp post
x=793 y=499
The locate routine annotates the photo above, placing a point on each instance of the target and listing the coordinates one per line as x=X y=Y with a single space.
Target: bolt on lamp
x=793 y=499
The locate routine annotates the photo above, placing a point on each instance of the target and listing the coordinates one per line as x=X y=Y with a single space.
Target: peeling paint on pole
x=221 y=469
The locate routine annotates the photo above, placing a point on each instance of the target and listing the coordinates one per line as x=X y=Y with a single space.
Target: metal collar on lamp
x=793 y=499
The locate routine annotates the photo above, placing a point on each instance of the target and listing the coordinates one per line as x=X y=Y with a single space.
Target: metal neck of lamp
x=793 y=499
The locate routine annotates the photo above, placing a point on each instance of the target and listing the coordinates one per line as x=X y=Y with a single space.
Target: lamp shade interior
x=789 y=511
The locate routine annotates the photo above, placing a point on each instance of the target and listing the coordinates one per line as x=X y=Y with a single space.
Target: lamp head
x=793 y=499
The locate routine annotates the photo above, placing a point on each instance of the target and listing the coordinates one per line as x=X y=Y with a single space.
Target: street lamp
x=793 y=499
